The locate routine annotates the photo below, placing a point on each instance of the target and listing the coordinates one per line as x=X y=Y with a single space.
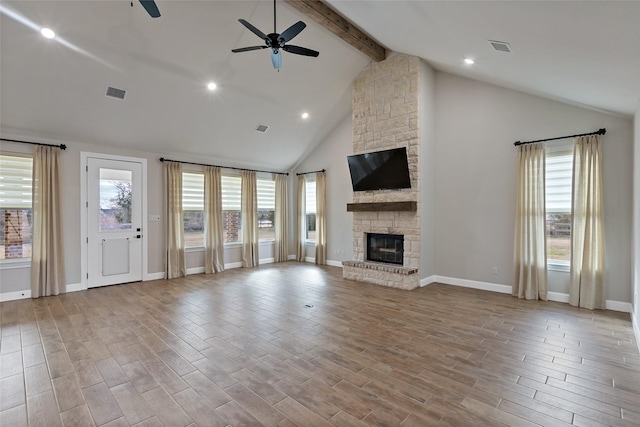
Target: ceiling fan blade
x=253 y=29
x=151 y=8
x=292 y=31
x=298 y=50
x=247 y=49
x=276 y=59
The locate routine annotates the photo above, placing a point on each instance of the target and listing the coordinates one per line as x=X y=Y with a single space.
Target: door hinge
x=87 y=240
x=87 y=275
x=87 y=168
x=86 y=204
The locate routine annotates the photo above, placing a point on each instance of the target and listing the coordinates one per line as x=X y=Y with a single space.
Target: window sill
x=562 y=266
x=310 y=242
x=10 y=264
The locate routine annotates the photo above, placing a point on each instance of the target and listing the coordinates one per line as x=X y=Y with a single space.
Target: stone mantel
x=411 y=206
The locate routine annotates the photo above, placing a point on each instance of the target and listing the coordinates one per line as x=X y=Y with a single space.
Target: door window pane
x=115 y=199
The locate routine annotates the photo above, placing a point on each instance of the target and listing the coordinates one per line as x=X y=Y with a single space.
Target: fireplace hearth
x=388 y=248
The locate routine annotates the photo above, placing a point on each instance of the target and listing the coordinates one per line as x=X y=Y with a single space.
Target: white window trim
x=558 y=265
x=15 y=263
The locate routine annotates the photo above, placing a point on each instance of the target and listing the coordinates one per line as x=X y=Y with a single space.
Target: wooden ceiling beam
x=330 y=19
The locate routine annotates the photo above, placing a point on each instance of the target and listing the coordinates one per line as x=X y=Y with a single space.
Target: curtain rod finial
x=63 y=146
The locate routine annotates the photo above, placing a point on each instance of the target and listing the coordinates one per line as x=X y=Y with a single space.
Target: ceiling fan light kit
x=277 y=41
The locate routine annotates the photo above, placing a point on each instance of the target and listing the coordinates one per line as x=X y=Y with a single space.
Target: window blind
x=15 y=182
x=192 y=191
x=310 y=200
x=266 y=190
x=231 y=193
x=558 y=170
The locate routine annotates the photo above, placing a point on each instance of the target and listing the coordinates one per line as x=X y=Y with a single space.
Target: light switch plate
x=154 y=217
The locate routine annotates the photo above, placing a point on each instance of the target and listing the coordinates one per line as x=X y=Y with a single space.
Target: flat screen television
x=380 y=170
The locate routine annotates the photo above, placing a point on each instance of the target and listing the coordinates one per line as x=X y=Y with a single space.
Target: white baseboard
x=624 y=307
x=334 y=263
x=267 y=260
x=231 y=265
x=154 y=276
x=635 y=322
x=427 y=280
x=558 y=297
x=76 y=287
x=310 y=259
x=485 y=286
x=291 y=257
x=12 y=296
x=195 y=270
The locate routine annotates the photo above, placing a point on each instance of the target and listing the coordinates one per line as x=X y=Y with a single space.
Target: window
x=15 y=206
x=231 y=216
x=310 y=206
x=266 y=189
x=193 y=209
x=559 y=167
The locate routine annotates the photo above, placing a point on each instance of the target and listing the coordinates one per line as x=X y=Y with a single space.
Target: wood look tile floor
x=295 y=344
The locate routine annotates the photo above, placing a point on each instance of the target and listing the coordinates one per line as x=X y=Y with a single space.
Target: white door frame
x=84 y=268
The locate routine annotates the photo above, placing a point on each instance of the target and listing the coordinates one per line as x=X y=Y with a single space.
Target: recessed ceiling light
x=469 y=61
x=212 y=86
x=48 y=33
x=305 y=115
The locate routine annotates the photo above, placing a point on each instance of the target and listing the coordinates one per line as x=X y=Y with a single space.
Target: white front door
x=114 y=221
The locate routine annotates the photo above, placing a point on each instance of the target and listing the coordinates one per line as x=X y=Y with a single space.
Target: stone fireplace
x=385 y=116
x=383 y=247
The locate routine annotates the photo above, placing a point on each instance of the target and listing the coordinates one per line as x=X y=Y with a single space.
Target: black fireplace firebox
x=387 y=248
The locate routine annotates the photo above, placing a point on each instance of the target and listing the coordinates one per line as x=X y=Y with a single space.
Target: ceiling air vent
x=500 y=46
x=262 y=128
x=114 y=92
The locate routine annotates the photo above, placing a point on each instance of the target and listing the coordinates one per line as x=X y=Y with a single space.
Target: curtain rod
x=600 y=131
x=162 y=159
x=305 y=173
x=61 y=146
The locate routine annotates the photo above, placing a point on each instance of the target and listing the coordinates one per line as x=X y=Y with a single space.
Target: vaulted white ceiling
x=582 y=52
x=586 y=53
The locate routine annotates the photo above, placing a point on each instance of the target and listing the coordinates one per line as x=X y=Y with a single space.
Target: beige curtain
x=301 y=223
x=213 y=234
x=281 y=235
x=530 y=237
x=47 y=257
x=249 y=209
x=321 y=227
x=174 y=237
x=587 y=288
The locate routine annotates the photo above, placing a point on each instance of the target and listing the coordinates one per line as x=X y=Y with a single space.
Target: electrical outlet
x=495 y=270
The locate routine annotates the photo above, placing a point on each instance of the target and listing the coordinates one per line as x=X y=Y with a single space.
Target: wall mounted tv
x=380 y=170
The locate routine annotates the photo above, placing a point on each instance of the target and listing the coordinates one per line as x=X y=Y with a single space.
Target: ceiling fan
x=276 y=42
x=151 y=8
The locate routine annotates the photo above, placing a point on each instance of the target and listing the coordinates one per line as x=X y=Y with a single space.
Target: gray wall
x=427 y=171
x=331 y=155
x=476 y=125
